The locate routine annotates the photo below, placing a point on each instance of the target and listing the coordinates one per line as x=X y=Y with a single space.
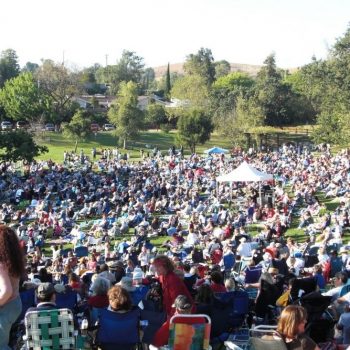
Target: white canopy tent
x=245 y=173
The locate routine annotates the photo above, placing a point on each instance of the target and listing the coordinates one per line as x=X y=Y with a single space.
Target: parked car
x=49 y=127
x=5 y=125
x=94 y=127
x=108 y=127
x=21 y=124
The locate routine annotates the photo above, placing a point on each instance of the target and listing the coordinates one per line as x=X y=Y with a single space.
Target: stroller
x=320 y=323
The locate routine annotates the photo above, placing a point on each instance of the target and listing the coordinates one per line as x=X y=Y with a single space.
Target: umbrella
x=216 y=150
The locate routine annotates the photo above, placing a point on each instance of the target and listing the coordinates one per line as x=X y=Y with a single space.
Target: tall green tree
x=167 y=82
x=273 y=95
x=147 y=80
x=19 y=145
x=225 y=92
x=201 y=64
x=79 y=128
x=22 y=99
x=9 y=67
x=194 y=127
x=192 y=90
x=124 y=113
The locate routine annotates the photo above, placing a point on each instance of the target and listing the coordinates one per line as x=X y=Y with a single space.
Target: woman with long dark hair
x=11 y=270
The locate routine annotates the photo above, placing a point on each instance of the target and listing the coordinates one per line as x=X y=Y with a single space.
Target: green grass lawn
x=57 y=143
x=146 y=140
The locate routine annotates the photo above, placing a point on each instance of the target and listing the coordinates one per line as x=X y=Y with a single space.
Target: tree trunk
x=76 y=146
x=124 y=143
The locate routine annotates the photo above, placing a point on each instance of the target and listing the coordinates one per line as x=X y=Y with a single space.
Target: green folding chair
x=50 y=330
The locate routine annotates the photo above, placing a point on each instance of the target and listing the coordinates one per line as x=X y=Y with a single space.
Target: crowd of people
x=211 y=233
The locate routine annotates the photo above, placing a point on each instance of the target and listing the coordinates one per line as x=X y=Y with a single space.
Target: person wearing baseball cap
x=46 y=295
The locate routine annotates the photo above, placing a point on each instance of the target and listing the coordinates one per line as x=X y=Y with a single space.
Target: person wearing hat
x=140 y=289
x=126 y=283
x=183 y=306
x=244 y=249
x=46 y=296
x=105 y=273
x=117 y=269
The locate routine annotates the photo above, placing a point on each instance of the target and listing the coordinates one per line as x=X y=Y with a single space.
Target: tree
x=87 y=79
x=59 y=85
x=245 y=118
x=225 y=92
x=194 y=128
x=222 y=68
x=128 y=68
x=201 y=64
x=156 y=114
x=79 y=128
x=9 y=67
x=167 y=83
x=124 y=113
x=21 y=98
x=30 y=67
x=273 y=95
x=332 y=127
x=19 y=145
x=192 y=90
x=147 y=80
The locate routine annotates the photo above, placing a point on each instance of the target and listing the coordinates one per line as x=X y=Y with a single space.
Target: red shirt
x=98 y=301
x=172 y=286
x=217 y=288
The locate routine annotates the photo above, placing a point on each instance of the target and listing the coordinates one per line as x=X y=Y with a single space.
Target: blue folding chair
x=118 y=331
x=67 y=300
x=28 y=300
x=239 y=304
x=95 y=313
x=81 y=251
x=252 y=274
x=138 y=294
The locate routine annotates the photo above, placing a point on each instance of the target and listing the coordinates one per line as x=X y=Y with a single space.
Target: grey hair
x=100 y=286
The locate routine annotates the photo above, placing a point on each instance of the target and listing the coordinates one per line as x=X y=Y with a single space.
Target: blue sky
x=161 y=31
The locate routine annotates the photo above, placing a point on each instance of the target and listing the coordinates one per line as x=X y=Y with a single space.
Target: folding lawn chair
x=118 y=331
x=264 y=337
x=189 y=332
x=49 y=330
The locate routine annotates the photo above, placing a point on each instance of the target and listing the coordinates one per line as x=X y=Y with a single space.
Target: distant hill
x=251 y=69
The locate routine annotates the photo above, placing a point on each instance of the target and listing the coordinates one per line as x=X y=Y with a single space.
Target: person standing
x=11 y=270
x=172 y=285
